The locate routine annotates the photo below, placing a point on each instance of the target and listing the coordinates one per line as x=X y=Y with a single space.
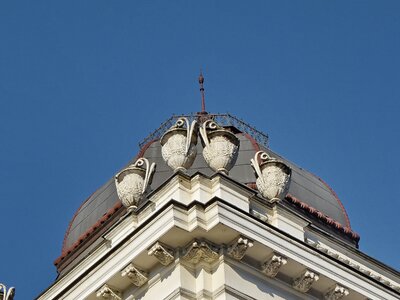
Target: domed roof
x=307 y=192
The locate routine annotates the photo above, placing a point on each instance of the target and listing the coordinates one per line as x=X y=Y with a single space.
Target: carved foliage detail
x=238 y=249
x=136 y=276
x=164 y=254
x=132 y=182
x=273 y=176
x=271 y=266
x=221 y=147
x=336 y=292
x=200 y=250
x=107 y=292
x=305 y=280
x=178 y=145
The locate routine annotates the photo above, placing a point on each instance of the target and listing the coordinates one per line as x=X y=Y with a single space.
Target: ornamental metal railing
x=222 y=119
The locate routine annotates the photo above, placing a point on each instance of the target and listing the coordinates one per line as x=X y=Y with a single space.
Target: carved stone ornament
x=336 y=292
x=200 y=250
x=273 y=176
x=136 y=276
x=164 y=254
x=221 y=147
x=178 y=145
x=272 y=266
x=132 y=182
x=304 y=281
x=107 y=292
x=238 y=249
x=6 y=295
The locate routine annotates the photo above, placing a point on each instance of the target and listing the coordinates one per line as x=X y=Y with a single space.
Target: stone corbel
x=336 y=292
x=136 y=276
x=272 y=266
x=305 y=280
x=164 y=254
x=238 y=249
x=108 y=292
x=200 y=250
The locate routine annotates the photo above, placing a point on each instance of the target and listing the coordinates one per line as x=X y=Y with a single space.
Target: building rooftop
x=308 y=194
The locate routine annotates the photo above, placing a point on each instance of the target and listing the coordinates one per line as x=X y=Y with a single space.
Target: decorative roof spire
x=203 y=102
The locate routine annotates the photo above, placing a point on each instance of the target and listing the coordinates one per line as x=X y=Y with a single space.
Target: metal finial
x=203 y=102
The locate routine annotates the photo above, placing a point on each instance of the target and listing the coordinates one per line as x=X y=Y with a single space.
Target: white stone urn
x=178 y=145
x=132 y=182
x=220 y=146
x=6 y=295
x=273 y=176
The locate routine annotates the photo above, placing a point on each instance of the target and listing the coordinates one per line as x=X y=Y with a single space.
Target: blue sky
x=82 y=82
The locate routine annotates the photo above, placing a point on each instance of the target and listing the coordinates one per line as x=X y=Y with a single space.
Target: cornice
x=137 y=240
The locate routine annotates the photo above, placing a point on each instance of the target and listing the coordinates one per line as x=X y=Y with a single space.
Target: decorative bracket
x=336 y=292
x=305 y=280
x=107 y=292
x=136 y=276
x=272 y=266
x=164 y=254
x=238 y=249
x=200 y=250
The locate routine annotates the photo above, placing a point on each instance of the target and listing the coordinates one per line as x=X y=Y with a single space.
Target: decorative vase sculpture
x=6 y=295
x=178 y=145
x=133 y=181
x=221 y=147
x=273 y=176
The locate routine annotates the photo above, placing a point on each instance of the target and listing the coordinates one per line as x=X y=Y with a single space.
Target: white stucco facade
x=202 y=237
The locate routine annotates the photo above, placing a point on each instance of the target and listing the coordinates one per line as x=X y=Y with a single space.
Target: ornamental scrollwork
x=164 y=254
x=108 y=292
x=132 y=182
x=273 y=176
x=178 y=145
x=135 y=275
x=200 y=251
x=220 y=146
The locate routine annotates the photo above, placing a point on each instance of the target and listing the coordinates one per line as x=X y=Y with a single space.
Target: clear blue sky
x=82 y=82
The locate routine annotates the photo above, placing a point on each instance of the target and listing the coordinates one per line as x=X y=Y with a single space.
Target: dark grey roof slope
x=304 y=186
